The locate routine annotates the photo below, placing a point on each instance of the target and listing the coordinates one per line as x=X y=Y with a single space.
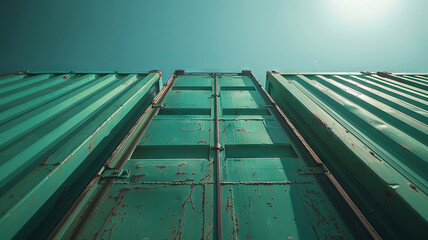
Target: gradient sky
x=221 y=35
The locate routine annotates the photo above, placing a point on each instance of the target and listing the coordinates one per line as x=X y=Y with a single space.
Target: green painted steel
x=419 y=80
x=371 y=130
x=55 y=128
x=213 y=158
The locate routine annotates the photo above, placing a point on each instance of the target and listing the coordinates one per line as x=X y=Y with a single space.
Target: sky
x=220 y=36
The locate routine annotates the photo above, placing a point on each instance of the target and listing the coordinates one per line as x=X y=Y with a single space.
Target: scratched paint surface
x=170 y=193
x=372 y=132
x=130 y=210
x=52 y=124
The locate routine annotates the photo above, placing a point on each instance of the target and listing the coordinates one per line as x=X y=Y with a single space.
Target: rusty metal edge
x=158 y=99
x=209 y=73
x=403 y=78
x=380 y=73
x=315 y=157
x=158 y=71
x=101 y=193
x=85 y=72
x=218 y=159
x=404 y=73
x=12 y=73
x=314 y=73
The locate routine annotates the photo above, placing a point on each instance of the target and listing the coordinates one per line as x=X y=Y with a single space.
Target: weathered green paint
x=53 y=128
x=371 y=131
x=271 y=188
x=419 y=80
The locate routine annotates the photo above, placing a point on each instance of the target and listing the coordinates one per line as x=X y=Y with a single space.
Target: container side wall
x=54 y=129
x=371 y=131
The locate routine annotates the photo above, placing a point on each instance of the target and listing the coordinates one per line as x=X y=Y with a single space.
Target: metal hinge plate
x=116 y=173
x=221 y=148
x=159 y=105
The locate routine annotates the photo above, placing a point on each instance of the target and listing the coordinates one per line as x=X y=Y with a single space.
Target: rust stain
x=228 y=205
x=270 y=204
x=414 y=188
x=199 y=129
x=408 y=149
x=114 y=212
x=209 y=233
x=315 y=117
x=138 y=176
x=249 y=236
x=241 y=129
x=335 y=134
x=371 y=153
x=161 y=167
x=320 y=219
x=180 y=230
x=203 y=212
x=45 y=163
x=353 y=144
x=237 y=224
x=148 y=137
x=179 y=166
x=209 y=176
x=189 y=198
x=179 y=233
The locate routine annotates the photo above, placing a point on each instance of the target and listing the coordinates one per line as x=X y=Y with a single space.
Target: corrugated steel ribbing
x=419 y=80
x=371 y=130
x=212 y=150
x=52 y=127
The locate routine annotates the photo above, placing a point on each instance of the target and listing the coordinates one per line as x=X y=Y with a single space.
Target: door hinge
x=159 y=105
x=116 y=173
x=217 y=146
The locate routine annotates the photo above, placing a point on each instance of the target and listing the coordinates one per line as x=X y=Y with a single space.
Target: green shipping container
x=371 y=130
x=56 y=131
x=213 y=157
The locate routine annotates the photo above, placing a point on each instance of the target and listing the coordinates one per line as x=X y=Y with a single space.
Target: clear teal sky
x=221 y=35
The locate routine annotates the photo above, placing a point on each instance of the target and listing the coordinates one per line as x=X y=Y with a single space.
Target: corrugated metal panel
x=371 y=130
x=213 y=158
x=419 y=80
x=52 y=127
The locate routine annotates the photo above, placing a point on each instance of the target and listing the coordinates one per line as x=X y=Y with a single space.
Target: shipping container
x=419 y=80
x=56 y=130
x=371 y=130
x=213 y=157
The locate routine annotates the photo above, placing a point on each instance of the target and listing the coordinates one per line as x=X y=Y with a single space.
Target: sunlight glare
x=362 y=11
